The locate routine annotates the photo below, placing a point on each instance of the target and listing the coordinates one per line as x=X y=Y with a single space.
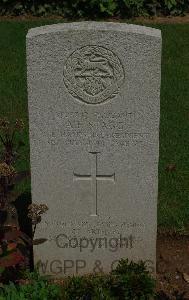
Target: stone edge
x=99 y=26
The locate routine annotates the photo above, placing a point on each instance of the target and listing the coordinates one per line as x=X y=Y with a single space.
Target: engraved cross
x=94 y=177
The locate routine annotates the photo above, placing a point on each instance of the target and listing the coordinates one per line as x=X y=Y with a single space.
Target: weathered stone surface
x=94 y=134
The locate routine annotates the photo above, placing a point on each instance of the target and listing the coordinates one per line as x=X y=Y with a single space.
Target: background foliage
x=94 y=8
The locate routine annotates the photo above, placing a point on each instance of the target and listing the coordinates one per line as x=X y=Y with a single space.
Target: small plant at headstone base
x=35 y=287
x=15 y=246
x=89 y=287
x=10 y=146
x=35 y=213
x=133 y=281
x=128 y=281
x=13 y=252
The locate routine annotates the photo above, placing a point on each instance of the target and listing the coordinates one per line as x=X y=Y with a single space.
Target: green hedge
x=94 y=8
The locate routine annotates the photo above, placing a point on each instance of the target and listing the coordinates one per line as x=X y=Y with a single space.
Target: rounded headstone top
x=92 y=25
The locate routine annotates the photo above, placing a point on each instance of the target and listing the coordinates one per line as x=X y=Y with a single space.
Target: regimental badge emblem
x=93 y=74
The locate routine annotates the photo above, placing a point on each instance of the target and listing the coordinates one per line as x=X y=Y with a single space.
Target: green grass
x=174 y=128
x=173 y=211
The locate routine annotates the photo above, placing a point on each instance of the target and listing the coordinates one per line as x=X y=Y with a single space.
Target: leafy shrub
x=133 y=281
x=94 y=8
x=128 y=281
x=99 y=287
x=87 y=288
x=13 y=250
x=38 y=288
x=15 y=246
x=14 y=253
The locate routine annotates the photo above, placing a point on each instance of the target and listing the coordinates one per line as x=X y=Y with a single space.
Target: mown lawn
x=173 y=209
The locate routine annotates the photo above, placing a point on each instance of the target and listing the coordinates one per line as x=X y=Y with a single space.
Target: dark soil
x=173 y=264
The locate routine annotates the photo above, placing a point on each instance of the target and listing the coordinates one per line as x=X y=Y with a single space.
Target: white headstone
x=94 y=91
